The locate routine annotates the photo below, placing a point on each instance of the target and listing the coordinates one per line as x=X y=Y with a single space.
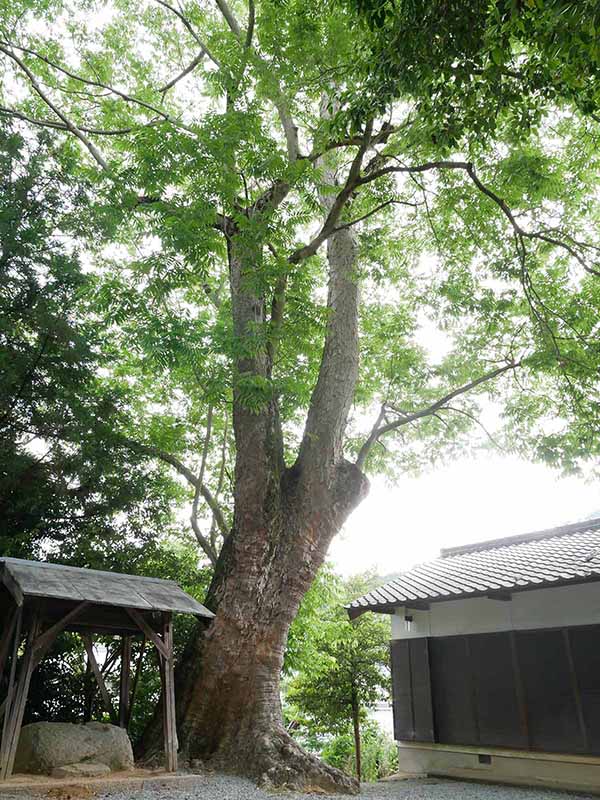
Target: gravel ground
x=221 y=787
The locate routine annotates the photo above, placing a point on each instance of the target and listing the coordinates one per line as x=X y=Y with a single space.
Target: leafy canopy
x=475 y=214
x=61 y=467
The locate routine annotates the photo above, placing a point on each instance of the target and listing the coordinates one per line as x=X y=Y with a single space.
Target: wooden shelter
x=38 y=601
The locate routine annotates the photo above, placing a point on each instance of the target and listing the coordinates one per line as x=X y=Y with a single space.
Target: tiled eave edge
x=492 y=594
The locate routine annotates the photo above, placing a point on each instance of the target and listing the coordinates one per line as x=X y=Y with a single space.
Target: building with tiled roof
x=556 y=557
x=496 y=659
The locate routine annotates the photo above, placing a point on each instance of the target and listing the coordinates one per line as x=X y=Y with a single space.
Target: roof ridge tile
x=522 y=538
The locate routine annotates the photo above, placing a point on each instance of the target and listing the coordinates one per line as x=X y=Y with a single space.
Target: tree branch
x=477 y=421
x=469 y=168
x=277 y=309
x=374 y=211
x=204 y=543
x=426 y=167
x=86 y=81
x=220 y=481
x=322 y=440
x=380 y=137
x=229 y=18
x=251 y=23
x=26 y=379
x=187 y=473
x=289 y=128
x=352 y=181
x=190 y=68
x=380 y=430
x=191 y=30
x=48 y=123
x=271 y=199
x=521 y=232
x=70 y=126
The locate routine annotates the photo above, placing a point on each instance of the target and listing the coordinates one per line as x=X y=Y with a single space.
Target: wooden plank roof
x=58 y=582
x=555 y=557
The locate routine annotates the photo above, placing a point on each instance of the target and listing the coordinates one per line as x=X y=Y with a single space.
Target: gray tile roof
x=559 y=556
x=58 y=582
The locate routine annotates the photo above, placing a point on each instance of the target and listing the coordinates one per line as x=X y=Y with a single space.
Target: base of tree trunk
x=275 y=760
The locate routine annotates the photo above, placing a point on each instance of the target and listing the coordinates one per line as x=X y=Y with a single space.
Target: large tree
x=277 y=208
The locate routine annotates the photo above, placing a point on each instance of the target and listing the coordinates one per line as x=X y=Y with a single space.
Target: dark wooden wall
x=413 y=713
x=528 y=690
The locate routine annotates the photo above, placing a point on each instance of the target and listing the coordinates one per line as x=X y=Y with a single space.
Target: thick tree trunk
x=228 y=682
x=233 y=714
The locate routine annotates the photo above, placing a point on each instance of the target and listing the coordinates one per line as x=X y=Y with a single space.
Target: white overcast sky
x=473 y=499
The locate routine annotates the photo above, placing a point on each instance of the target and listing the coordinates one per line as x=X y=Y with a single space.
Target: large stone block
x=45 y=746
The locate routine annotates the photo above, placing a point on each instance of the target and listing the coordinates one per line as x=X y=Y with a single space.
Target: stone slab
x=87 y=769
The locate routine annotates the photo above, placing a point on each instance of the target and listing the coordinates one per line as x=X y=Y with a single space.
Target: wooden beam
x=504 y=597
x=89 y=646
x=12 y=585
x=149 y=633
x=45 y=640
x=125 y=681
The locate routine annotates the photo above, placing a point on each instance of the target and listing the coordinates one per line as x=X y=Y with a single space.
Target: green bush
x=379 y=752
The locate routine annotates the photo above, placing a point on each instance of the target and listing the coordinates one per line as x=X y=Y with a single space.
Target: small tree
x=349 y=674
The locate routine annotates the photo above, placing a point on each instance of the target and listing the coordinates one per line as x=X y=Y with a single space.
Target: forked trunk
x=231 y=714
x=228 y=681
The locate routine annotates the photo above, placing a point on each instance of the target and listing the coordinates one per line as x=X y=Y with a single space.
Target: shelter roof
x=35 y=579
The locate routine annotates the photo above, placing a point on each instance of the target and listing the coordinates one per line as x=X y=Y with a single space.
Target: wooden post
x=576 y=690
x=10 y=694
x=125 y=681
x=521 y=697
x=168 y=695
x=6 y=639
x=164 y=647
x=14 y=715
x=89 y=691
x=136 y=679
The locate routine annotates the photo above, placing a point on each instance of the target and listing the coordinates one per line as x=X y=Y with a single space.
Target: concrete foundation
x=498 y=765
x=131 y=782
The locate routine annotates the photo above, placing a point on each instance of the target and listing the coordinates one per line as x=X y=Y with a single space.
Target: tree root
x=275 y=760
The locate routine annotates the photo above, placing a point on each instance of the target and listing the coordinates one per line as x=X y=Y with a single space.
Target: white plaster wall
x=538 y=608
